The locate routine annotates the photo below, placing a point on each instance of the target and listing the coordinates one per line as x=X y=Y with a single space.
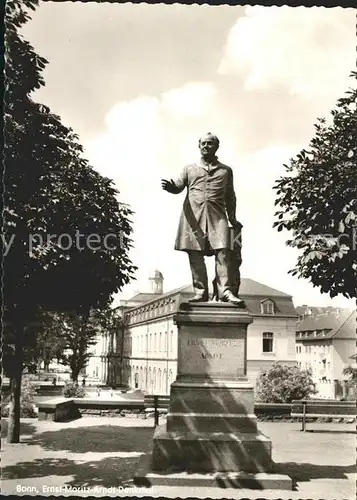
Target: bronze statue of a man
x=203 y=229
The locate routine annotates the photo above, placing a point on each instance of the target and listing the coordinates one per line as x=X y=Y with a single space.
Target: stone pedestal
x=211 y=427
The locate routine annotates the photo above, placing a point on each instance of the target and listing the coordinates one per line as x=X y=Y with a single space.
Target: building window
x=267 y=307
x=268 y=341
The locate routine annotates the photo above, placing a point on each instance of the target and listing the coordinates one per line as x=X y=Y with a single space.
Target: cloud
x=308 y=51
x=140 y=136
x=191 y=100
x=144 y=140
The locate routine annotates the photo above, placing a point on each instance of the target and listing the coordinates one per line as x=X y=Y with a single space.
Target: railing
x=313 y=408
x=269 y=410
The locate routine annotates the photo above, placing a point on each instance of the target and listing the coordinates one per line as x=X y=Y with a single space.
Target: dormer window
x=267 y=306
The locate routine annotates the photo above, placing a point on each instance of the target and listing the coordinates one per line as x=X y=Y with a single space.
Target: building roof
x=306 y=310
x=254 y=288
x=251 y=292
x=146 y=298
x=331 y=323
x=248 y=287
x=142 y=297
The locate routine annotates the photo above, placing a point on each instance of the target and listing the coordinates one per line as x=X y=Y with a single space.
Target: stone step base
x=208 y=452
x=206 y=422
x=241 y=480
x=192 y=397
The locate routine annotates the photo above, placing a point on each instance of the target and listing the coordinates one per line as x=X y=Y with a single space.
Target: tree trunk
x=74 y=366
x=13 y=431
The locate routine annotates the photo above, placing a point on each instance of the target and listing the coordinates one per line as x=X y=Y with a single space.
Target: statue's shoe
x=199 y=298
x=233 y=299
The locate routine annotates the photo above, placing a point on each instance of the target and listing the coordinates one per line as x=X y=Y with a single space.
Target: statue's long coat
x=209 y=204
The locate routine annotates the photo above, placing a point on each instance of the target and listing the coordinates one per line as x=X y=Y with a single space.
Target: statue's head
x=208 y=145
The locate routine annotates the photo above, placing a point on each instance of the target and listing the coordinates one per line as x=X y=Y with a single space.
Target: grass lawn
x=104 y=452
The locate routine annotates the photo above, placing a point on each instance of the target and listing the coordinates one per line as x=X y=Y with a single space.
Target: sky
x=141 y=83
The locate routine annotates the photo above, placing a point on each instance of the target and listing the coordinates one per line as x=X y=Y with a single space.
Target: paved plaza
x=96 y=456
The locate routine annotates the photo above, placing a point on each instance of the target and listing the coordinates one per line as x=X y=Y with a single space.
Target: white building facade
x=150 y=338
x=325 y=340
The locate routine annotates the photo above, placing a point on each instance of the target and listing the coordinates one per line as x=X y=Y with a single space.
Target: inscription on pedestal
x=202 y=353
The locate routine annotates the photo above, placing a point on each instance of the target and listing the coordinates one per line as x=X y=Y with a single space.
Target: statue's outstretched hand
x=169 y=186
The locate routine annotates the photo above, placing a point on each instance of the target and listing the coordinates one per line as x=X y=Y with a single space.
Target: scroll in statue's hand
x=169 y=186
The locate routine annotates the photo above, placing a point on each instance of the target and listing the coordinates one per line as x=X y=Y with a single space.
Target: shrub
x=71 y=390
x=283 y=384
x=27 y=402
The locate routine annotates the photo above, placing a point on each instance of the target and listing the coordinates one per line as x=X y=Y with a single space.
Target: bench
x=309 y=408
x=275 y=410
x=103 y=406
x=58 y=410
x=157 y=404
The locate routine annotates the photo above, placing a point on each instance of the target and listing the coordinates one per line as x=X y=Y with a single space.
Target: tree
x=50 y=343
x=283 y=384
x=351 y=372
x=317 y=202
x=77 y=332
x=46 y=344
x=55 y=206
x=67 y=337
